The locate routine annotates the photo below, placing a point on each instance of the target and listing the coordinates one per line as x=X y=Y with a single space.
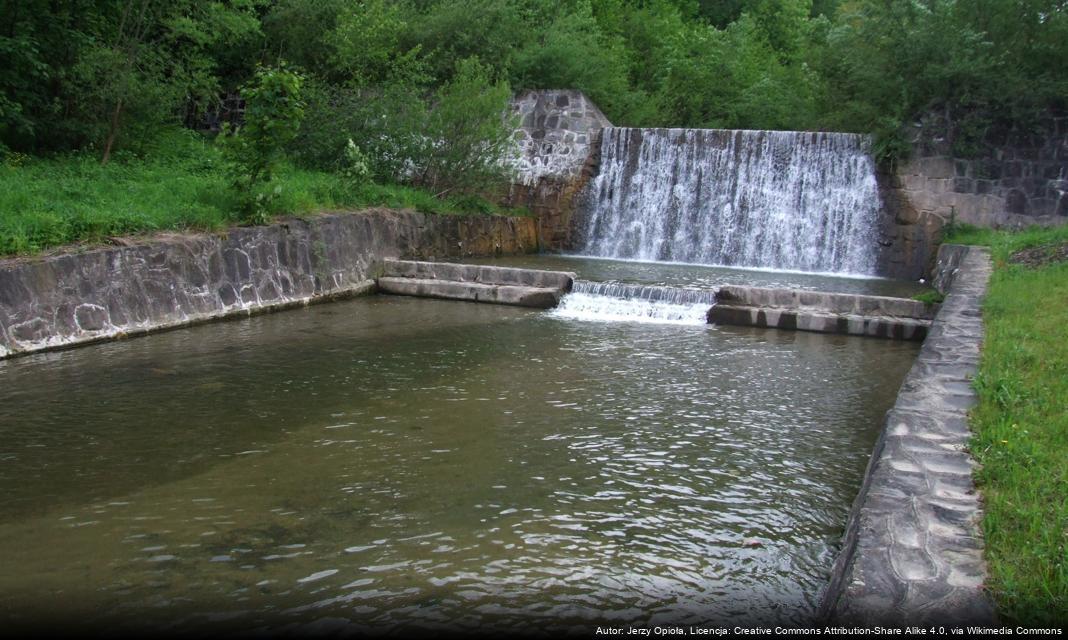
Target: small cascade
x=799 y=201
x=615 y=302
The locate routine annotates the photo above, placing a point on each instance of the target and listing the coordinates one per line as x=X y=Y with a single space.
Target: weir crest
x=609 y=301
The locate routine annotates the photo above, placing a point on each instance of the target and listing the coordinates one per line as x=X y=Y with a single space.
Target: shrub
x=467 y=134
x=355 y=166
x=273 y=112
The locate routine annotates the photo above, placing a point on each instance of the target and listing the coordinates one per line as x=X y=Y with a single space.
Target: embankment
x=180 y=279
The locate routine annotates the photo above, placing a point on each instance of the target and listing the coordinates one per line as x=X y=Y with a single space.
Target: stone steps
x=475 y=283
x=823 y=312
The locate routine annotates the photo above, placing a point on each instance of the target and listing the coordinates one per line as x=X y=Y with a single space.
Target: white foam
x=795 y=201
x=590 y=307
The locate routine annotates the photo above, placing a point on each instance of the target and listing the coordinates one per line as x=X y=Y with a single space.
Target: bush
x=356 y=168
x=273 y=112
x=467 y=134
x=332 y=116
x=386 y=122
x=451 y=142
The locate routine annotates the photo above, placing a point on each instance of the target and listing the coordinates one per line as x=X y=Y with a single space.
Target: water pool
x=391 y=463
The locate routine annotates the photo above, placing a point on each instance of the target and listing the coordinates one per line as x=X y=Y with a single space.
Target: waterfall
x=766 y=199
x=613 y=302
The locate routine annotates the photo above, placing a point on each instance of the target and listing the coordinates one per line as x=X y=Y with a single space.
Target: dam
x=593 y=446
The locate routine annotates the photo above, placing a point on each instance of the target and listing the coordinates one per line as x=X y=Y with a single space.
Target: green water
x=395 y=464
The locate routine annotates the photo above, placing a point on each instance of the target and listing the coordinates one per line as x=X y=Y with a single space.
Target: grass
x=178 y=184
x=1021 y=427
x=929 y=297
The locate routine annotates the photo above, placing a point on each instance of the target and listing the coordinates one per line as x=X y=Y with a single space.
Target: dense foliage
x=105 y=75
x=411 y=92
x=273 y=113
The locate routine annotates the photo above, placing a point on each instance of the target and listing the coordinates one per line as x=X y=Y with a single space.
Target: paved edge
x=913 y=551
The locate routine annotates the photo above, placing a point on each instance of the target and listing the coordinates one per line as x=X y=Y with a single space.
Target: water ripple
x=458 y=466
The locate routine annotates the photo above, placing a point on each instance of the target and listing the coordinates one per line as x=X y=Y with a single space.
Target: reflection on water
x=705 y=277
x=403 y=463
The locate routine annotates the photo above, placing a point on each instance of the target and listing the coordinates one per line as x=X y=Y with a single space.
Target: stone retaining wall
x=913 y=551
x=175 y=280
x=1013 y=178
x=558 y=147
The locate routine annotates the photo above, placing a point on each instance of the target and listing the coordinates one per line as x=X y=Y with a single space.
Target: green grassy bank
x=180 y=184
x=1021 y=423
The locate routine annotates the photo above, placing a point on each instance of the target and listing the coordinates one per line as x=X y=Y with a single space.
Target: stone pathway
x=913 y=552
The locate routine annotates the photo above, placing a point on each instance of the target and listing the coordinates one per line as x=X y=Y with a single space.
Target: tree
x=86 y=73
x=466 y=134
x=274 y=109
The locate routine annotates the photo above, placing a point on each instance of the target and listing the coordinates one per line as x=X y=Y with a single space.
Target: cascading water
x=765 y=199
x=612 y=302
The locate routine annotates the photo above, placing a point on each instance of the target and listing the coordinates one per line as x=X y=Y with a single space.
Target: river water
x=397 y=464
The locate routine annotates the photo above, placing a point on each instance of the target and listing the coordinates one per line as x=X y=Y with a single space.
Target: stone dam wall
x=1015 y=180
x=913 y=551
x=558 y=140
x=176 y=280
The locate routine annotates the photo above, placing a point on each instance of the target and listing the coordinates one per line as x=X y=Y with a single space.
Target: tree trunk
x=113 y=132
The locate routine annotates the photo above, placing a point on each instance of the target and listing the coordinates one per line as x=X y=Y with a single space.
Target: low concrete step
x=823 y=302
x=475 y=283
x=899 y=328
x=485 y=274
x=519 y=295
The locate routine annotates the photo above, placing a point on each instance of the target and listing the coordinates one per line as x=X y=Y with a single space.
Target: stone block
x=906 y=214
x=1042 y=207
x=940 y=186
x=964 y=185
x=922 y=200
x=948 y=201
x=913 y=182
x=1016 y=201
x=938 y=167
